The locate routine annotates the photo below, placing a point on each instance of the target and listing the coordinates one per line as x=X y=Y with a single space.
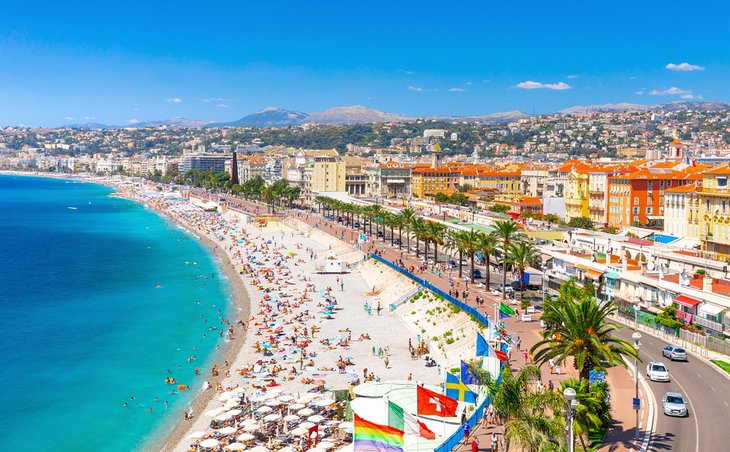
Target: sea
x=101 y=300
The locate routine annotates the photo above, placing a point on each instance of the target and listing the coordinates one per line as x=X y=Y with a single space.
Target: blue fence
x=481 y=318
x=452 y=441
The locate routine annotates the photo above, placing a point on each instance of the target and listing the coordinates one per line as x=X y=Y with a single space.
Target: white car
x=657 y=371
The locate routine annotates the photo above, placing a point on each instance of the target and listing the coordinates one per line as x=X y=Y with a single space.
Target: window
x=636 y=210
x=636 y=200
x=649 y=210
x=722 y=181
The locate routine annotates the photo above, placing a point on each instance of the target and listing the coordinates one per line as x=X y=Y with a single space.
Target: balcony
x=697 y=320
x=716 y=191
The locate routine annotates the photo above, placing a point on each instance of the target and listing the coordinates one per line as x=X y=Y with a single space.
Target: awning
x=711 y=309
x=583 y=267
x=613 y=275
x=689 y=302
x=593 y=274
x=654 y=310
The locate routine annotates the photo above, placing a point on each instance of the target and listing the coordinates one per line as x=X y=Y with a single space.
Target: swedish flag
x=456 y=389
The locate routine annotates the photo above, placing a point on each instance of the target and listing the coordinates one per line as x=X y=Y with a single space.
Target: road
x=708 y=394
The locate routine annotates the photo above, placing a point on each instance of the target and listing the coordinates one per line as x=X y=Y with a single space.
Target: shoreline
x=163 y=438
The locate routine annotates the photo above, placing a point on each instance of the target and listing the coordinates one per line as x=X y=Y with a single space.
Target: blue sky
x=68 y=62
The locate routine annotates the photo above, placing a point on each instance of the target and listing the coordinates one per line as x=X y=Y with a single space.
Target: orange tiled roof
x=687 y=188
x=721 y=169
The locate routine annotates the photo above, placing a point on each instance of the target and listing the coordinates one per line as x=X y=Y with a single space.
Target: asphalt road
x=708 y=392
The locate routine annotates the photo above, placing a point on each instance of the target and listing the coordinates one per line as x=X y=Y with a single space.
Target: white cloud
x=684 y=67
x=673 y=91
x=456 y=90
x=133 y=121
x=632 y=78
x=173 y=100
x=687 y=96
x=69 y=118
x=640 y=93
x=216 y=99
x=529 y=84
x=572 y=76
x=223 y=106
x=418 y=89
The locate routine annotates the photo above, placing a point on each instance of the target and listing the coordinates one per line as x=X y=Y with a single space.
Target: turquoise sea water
x=83 y=326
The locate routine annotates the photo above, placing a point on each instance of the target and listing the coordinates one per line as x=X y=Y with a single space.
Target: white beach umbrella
x=196 y=435
x=273 y=393
x=273 y=402
x=286 y=398
x=264 y=409
x=225 y=396
x=215 y=412
x=297 y=406
x=235 y=412
x=317 y=418
x=230 y=403
x=299 y=431
x=306 y=424
x=236 y=446
x=243 y=437
x=250 y=427
x=209 y=443
x=305 y=412
x=326 y=445
x=272 y=417
x=291 y=417
x=347 y=427
x=225 y=431
x=308 y=397
x=260 y=449
x=287 y=449
x=223 y=417
x=238 y=390
x=325 y=402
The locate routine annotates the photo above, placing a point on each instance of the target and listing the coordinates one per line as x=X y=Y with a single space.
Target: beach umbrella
x=307 y=424
x=326 y=445
x=260 y=449
x=297 y=406
x=230 y=403
x=196 y=435
x=238 y=390
x=243 y=437
x=264 y=409
x=225 y=431
x=223 y=417
x=273 y=402
x=272 y=417
x=236 y=446
x=209 y=443
x=299 y=431
x=291 y=417
x=215 y=412
x=317 y=418
x=286 y=398
x=250 y=427
x=305 y=412
x=325 y=402
x=235 y=412
x=347 y=427
x=225 y=396
x=287 y=449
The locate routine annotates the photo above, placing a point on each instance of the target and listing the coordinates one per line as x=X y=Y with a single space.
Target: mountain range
x=358 y=114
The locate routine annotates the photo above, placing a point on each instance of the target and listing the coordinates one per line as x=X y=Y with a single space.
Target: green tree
x=522 y=255
x=506 y=232
x=581 y=223
x=552 y=218
x=441 y=197
x=488 y=245
x=594 y=409
x=499 y=208
x=579 y=329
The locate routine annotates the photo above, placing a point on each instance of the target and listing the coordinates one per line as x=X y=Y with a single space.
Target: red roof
x=687 y=301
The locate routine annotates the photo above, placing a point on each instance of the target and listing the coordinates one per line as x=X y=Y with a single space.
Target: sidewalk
x=621 y=432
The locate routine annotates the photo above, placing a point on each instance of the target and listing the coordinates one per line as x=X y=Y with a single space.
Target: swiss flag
x=435 y=404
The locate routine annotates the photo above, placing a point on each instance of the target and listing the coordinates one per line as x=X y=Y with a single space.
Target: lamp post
x=636 y=337
x=569 y=395
x=636 y=313
x=544 y=276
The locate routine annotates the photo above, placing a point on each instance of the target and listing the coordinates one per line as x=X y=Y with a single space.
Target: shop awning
x=711 y=309
x=583 y=267
x=593 y=274
x=689 y=302
x=613 y=275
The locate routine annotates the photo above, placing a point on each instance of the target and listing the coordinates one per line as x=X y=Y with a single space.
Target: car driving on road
x=657 y=371
x=674 y=404
x=675 y=353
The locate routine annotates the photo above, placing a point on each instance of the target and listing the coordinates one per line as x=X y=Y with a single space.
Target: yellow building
x=328 y=174
x=714 y=200
x=429 y=181
x=682 y=217
x=507 y=183
x=576 y=193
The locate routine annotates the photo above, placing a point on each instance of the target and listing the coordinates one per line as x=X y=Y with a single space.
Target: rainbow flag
x=371 y=437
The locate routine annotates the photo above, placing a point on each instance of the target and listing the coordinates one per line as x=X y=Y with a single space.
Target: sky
x=128 y=62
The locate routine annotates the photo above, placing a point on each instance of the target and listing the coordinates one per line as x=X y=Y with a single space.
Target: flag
x=482 y=346
x=456 y=389
x=370 y=437
x=469 y=374
x=504 y=309
x=435 y=404
x=502 y=315
x=407 y=422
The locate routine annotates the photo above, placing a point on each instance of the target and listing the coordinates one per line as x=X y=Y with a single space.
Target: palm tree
x=399 y=222
x=417 y=227
x=506 y=232
x=593 y=411
x=408 y=216
x=455 y=242
x=471 y=247
x=487 y=246
x=436 y=233
x=522 y=409
x=580 y=329
x=522 y=255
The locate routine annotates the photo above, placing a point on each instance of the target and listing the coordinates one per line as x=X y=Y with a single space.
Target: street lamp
x=544 y=275
x=636 y=313
x=569 y=395
x=636 y=337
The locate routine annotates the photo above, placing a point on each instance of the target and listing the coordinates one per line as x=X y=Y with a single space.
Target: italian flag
x=397 y=418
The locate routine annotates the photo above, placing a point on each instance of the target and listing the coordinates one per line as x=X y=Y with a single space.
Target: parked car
x=674 y=404
x=379 y=234
x=357 y=224
x=477 y=273
x=516 y=286
x=657 y=371
x=675 y=353
x=397 y=242
x=507 y=289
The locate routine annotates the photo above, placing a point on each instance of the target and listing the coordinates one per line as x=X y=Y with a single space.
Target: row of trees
x=505 y=243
